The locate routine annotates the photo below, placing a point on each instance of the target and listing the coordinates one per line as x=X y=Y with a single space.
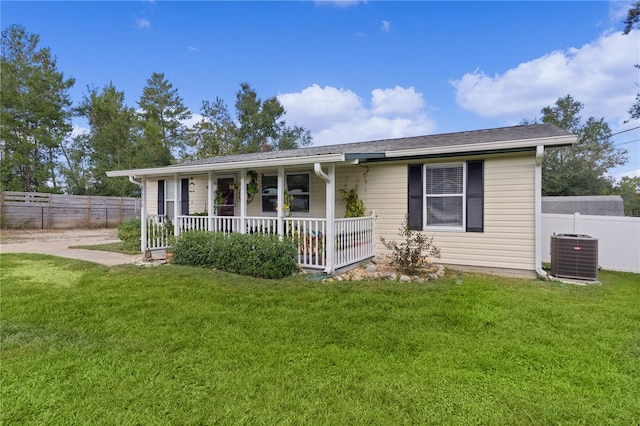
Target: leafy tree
x=581 y=169
x=261 y=124
x=214 y=134
x=109 y=145
x=259 y=127
x=162 y=121
x=35 y=113
x=633 y=18
x=629 y=189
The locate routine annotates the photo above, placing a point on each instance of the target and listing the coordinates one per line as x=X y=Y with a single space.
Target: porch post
x=210 y=197
x=279 y=209
x=243 y=201
x=143 y=215
x=331 y=216
x=177 y=198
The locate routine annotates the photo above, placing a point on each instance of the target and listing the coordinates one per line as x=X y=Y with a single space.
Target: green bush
x=129 y=233
x=255 y=255
x=414 y=252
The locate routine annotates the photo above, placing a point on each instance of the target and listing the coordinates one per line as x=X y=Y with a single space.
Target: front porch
x=324 y=245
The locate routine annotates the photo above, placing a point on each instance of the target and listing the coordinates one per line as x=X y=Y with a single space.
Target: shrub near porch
x=256 y=255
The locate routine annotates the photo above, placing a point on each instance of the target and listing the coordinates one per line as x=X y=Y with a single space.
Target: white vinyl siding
x=507 y=241
x=197 y=193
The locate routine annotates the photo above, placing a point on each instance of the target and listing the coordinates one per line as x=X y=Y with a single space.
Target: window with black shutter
x=446 y=196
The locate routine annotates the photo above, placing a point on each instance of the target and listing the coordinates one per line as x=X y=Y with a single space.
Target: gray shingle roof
x=536 y=131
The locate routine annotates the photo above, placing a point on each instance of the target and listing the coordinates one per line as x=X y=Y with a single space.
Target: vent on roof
x=574 y=256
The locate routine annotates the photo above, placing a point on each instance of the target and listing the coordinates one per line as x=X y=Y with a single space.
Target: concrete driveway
x=57 y=243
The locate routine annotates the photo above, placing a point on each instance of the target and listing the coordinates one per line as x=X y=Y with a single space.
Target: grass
x=117 y=247
x=87 y=344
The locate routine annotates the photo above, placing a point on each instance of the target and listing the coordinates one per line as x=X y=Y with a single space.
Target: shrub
x=256 y=255
x=414 y=252
x=129 y=233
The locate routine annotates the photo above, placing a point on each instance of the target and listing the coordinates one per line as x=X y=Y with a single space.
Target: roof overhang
x=355 y=158
x=493 y=147
x=228 y=166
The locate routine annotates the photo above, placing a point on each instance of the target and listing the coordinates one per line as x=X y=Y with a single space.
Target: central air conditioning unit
x=574 y=256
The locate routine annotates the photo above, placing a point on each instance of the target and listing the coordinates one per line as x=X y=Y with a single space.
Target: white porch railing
x=158 y=230
x=310 y=234
x=355 y=240
x=354 y=237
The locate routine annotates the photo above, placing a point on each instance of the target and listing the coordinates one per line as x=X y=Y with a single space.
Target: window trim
x=293 y=213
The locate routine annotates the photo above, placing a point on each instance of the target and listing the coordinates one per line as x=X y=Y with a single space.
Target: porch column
x=279 y=209
x=243 y=201
x=331 y=217
x=143 y=215
x=177 y=197
x=211 y=189
x=330 y=206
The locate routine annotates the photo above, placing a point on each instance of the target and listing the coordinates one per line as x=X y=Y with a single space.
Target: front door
x=226 y=196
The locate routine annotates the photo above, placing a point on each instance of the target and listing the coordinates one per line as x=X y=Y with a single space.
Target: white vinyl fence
x=618 y=237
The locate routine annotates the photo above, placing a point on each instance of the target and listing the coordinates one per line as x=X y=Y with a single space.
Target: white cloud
x=195 y=119
x=77 y=130
x=143 y=24
x=396 y=101
x=601 y=75
x=339 y=115
x=385 y=26
x=193 y=49
x=618 y=10
x=630 y=173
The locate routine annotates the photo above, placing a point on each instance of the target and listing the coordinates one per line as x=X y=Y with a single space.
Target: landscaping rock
x=381 y=268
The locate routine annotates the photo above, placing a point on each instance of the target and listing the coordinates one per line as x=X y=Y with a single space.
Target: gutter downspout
x=143 y=213
x=330 y=205
x=538 y=212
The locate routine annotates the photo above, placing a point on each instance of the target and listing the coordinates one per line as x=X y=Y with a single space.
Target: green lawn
x=87 y=344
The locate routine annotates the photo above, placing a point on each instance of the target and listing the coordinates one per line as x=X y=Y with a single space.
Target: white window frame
x=462 y=195
x=168 y=186
x=295 y=213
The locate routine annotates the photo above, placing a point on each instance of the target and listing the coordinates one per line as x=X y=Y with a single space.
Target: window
x=444 y=191
x=298 y=188
x=447 y=196
x=167 y=197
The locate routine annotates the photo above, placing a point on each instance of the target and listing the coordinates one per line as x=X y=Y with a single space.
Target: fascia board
x=485 y=146
x=237 y=165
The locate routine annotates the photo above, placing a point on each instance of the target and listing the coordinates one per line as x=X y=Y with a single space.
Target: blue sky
x=351 y=70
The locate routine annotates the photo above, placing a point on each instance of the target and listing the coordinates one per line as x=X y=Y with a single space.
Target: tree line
x=39 y=152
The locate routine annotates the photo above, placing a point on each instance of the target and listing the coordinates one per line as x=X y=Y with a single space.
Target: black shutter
x=184 y=196
x=161 y=197
x=475 y=196
x=415 y=196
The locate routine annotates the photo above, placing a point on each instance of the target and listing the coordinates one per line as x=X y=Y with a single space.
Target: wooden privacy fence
x=36 y=210
x=618 y=237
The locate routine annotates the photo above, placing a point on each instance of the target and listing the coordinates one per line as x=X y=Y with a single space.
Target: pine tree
x=35 y=113
x=164 y=134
